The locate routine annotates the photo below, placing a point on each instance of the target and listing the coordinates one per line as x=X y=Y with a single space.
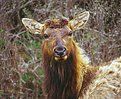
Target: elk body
x=66 y=68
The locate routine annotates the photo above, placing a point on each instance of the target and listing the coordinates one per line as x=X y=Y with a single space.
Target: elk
x=68 y=74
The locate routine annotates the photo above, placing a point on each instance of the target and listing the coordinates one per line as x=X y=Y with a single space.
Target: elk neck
x=63 y=79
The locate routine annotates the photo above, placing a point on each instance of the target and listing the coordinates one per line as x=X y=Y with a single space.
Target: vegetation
x=21 y=73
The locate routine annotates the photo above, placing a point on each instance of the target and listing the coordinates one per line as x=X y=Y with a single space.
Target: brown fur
x=63 y=79
x=69 y=76
x=60 y=77
x=88 y=77
x=56 y=23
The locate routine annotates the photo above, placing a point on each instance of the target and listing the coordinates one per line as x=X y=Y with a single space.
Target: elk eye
x=70 y=33
x=46 y=36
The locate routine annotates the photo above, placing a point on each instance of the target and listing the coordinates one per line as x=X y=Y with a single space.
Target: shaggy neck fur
x=63 y=80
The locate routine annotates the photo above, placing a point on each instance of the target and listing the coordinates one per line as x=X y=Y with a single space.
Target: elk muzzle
x=60 y=52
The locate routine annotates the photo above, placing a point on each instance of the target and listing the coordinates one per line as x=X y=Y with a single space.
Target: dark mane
x=60 y=77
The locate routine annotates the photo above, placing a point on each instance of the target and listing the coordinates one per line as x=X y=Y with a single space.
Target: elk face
x=57 y=41
x=57 y=33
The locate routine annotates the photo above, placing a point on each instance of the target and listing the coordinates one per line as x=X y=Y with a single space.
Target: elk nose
x=60 y=51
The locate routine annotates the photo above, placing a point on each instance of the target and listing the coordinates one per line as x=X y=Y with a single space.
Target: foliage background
x=21 y=73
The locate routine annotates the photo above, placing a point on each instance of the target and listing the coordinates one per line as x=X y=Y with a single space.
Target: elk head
x=57 y=33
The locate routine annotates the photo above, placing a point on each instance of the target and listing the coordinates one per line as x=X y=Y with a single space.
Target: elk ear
x=33 y=26
x=79 y=21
